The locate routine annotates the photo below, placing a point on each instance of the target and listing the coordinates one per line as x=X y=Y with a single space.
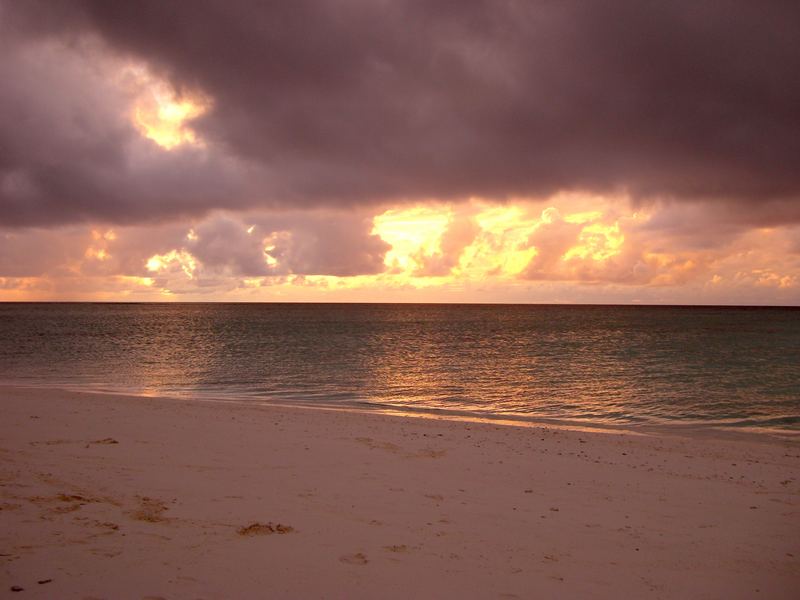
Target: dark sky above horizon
x=369 y=150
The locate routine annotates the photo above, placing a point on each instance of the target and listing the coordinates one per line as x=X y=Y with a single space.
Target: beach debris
x=16 y=588
x=60 y=510
x=397 y=548
x=43 y=581
x=354 y=559
x=264 y=529
x=104 y=441
x=428 y=453
x=67 y=503
x=53 y=442
x=72 y=498
x=150 y=510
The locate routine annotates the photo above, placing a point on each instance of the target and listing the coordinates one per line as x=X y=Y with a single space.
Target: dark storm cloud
x=337 y=103
x=69 y=153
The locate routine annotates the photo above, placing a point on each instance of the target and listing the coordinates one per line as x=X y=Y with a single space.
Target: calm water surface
x=732 y=366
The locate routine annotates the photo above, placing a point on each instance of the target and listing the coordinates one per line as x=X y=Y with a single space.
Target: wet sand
x=107 y=496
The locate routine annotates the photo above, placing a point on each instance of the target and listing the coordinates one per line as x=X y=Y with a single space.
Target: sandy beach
x=107 y=496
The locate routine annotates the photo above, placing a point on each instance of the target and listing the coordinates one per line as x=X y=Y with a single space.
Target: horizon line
x=299 y=302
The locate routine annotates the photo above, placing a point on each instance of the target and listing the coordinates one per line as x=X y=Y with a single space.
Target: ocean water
x=736 y=367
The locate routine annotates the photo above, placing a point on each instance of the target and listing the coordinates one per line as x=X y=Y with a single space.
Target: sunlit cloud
x=480 y=241
x=98 y=249
x=597 y=242
x=160 y=113
x=413 y=234
x=550 y=250
x=172 y=260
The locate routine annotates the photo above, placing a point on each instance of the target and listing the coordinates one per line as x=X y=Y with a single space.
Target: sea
x=723 y=367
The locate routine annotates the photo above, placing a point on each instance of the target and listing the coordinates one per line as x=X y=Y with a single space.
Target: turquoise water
x=605 y=364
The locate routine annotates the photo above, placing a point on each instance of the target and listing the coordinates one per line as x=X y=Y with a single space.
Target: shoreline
x=711 y=429
x=136 y=496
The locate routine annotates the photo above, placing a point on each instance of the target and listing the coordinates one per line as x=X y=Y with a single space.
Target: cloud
x=461 y=231
x=361 y=102
x=35 y=253
x=223 y=243
x=551 y=239
x=531 y=150
x=69 y=151
x=276 y=244
x=340 y=244
x=220 y=250
x=458 y=252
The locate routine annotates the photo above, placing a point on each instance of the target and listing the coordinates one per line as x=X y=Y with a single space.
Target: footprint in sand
x=395 y=449
x=264 y=529
x=376 y=445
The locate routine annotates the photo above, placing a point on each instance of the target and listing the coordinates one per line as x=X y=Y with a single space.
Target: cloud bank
x=237 y=145
x=364 y=102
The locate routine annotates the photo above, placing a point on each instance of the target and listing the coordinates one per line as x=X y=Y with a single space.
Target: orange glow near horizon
x=437 y=252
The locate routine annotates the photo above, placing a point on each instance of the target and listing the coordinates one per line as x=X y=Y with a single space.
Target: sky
x=400 y=151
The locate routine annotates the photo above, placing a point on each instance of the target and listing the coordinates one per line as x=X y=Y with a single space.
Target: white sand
x=381 y=506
